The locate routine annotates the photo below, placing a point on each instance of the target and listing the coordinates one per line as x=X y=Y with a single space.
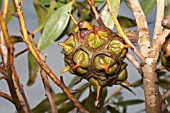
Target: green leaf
x=11 y=10
x=84 y=11
x=112 y=109
x=16 y=39
x=73 y=82
x=43 y=106
x=164 y=83
x=128 y=102
x=138 y=83
x=89 y=103
x=65 y=107
x=55 y=26
x=45 y=2
x=105 y=15
x=126 y=87
x=126 y=22
x=42 y=15
x=147 y=5
x=34 y=69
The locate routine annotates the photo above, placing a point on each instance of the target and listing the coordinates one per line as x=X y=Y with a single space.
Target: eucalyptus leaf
x=105 y=15
x=42 y=15
x=112 y=109
x=55 y=26
x=129 y=102
x=89 y=104
x=65 y=107
x=43 y=106
x=73 y=82
x=147 y=5
x=16 y=39
x=45 y=2
x=34 y=69
x=126 y=87
x=11 y=10
x=126 y=22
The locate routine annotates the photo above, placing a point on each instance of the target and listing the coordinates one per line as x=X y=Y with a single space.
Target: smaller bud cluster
x=165 y=56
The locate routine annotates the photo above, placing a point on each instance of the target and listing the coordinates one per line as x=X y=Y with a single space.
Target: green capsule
x=68 y=45
x=117 y=47
x=97 y=38
x=105 y=63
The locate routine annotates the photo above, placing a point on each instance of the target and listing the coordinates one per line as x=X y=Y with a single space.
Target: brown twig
x=166 y=95
x=15 y=87
x=2 y=71
x=6 y=96
x=96 y=14
x=48 y=91
x=3 y=77
x=37 y=56
x=121 y=32
x=135 y=63
x=21 y=52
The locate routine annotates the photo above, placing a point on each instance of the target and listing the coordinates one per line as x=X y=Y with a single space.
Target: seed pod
x=166 y=19
x=165 y=55
x=96 y=54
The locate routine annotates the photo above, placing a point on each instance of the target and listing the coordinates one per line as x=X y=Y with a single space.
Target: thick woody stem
x=150 y=80
x=38 y=57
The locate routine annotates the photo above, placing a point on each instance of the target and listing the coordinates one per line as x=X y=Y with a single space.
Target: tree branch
x=37 y=56
x=6 y=96
x=144 y=41
x=48 y=91
x=159 y=16
x=135 y=63
x=153 y=101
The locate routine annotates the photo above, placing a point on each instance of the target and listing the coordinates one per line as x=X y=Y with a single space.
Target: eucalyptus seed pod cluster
x=95 y=54
x=165 y=57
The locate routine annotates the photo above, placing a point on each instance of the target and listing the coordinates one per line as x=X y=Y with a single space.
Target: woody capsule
x=96 y=54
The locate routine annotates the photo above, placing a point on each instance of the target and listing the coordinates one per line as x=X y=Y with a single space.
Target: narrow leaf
x=65 y=107
x=89 y=104
x=105 y=15
x=126 y=22
x=73 y=82
x=16 y=39
x=45 y=2
x=34 y=69
x=147 y=5
x=126 y=87
x=11 y=10
x=43 y=106
x=112 y=109
x=55 y=26
x=128 y=102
